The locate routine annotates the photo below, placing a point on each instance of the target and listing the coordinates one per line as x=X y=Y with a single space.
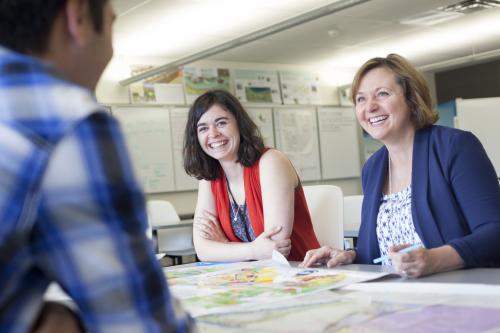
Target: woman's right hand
x=327 y=255
x=263 y=246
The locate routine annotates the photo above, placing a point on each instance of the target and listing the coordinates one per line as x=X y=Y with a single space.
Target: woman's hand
x=421 y=262
x=327 y=255
x=263 y=246
x=412 y=264
x=208 y=226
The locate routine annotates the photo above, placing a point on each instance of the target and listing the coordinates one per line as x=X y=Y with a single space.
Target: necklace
x=236 y=212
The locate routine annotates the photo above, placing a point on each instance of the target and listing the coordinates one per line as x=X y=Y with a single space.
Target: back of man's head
x=25 y=24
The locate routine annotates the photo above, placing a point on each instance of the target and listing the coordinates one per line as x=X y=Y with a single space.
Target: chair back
x=352 y=212
x=162 y=212
x=325 y=204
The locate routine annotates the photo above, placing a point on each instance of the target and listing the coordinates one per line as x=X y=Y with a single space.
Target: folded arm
x=212 y=244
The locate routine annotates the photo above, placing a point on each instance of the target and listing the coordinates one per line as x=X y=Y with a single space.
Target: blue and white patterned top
x=242 y=227
x=395 y=222
x=71 y=210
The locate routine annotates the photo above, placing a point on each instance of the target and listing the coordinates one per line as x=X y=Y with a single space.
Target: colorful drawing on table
x=241 y=276
x=241 y=286
x=190 y=275
x=354 y=314
x=186 y=276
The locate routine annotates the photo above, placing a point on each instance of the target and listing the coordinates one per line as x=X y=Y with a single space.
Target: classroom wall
x=110 y=92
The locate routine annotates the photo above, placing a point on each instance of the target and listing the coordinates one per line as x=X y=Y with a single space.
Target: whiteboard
x=263 y=118
x=338 y=141
x=147 y=135
x=296 y=135
x=481 y=116
x=178 y=120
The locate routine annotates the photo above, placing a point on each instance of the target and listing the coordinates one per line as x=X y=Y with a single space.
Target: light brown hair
x=415 y=87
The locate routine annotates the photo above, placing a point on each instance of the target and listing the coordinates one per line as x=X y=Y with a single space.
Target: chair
x=325 y=204
x=174 y=242
x=352 y=215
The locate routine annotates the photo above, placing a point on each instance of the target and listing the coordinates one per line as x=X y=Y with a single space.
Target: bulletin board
x=148 y=138
x=339 y=144
x=321 y=143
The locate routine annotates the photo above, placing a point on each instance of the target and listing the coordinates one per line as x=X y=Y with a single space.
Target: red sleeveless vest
x=302 y=237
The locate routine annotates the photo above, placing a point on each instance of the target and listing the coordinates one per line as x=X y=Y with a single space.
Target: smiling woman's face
x=381 y=107
x=218 y=134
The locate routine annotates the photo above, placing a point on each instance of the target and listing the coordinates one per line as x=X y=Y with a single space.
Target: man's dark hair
x=196 y=162
x=25 y=24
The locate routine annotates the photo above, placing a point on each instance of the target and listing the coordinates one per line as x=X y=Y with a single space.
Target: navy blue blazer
x=455 y=197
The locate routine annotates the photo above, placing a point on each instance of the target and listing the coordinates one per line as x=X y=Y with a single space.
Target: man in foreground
x=71 y=210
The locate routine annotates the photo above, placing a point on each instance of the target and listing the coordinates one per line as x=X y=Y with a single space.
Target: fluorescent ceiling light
x=451 y=37
x=194 y=25
x=430 y=17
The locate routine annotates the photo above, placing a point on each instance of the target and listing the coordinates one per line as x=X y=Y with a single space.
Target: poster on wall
x=263 y=118
x=198 y=80
x=256 y=86
x=298 y=87
x=339 y=143
x=147 y=135
x=296 y=135
x=164 y=88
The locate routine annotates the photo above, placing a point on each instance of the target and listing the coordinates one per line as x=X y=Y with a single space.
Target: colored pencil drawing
x=238 y=287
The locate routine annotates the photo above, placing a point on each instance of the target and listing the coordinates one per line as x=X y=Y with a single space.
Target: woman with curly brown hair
x=250 y=199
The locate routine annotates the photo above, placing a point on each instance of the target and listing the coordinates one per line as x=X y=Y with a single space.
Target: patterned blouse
x=241 y=222
x=395 y=222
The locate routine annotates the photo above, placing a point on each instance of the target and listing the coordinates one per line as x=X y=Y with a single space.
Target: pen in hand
x=405 y=250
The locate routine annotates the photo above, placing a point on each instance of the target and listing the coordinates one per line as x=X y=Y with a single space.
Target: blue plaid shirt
x=71 y=210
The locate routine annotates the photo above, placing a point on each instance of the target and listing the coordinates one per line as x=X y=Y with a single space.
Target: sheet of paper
x=280 y=259
x=372 y=307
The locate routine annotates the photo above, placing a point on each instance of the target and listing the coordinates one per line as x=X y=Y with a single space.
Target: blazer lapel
x=371 y=203
x=421 y=208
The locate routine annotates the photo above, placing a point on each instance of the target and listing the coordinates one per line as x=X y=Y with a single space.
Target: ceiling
x=342 y=39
